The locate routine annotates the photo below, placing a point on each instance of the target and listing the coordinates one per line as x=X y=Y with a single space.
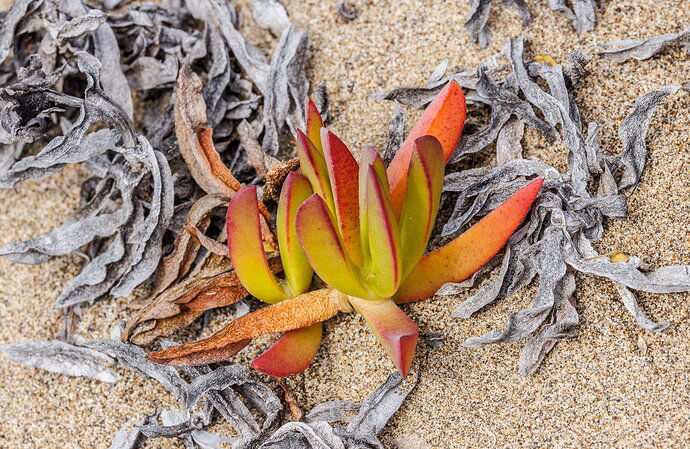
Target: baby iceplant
x=363 y=229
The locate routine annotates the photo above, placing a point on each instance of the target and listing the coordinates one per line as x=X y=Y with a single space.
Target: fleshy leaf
x=422 y=197
x=444 y=119
x=384 y=269
x=370 y=158
x=393 y=328
x=246 y=248
x=468 y=252
x=292 y=354
x=324 y=248
x=293 y=313
x=343 y=172
x=314 y=124
x=313 y=166
x=298 y=272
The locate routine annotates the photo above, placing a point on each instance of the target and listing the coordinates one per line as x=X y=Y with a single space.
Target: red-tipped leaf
x=422 y=197
x=395 y=331
x=343 y=172
x=246 y=248
x=292 y=353
x=444 y=119
x=468 y=252
x=314 y=124
x=313 y=166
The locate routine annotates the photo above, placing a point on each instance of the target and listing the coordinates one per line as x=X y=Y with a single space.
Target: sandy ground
x=599 y=390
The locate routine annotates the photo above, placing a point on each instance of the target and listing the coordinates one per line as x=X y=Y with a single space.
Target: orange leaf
x=314 y=124
x=444 y=119
x=292 y=313
x=292 y=354
x=468 y=252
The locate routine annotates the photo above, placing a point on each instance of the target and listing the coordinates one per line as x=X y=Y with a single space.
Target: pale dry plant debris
x=556 y=238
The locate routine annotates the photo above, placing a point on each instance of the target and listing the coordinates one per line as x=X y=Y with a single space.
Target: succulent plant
x=364 y=230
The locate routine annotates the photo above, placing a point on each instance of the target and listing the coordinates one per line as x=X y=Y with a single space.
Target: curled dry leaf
x=556 y=238
x=64 y=358
x=195 y=138
x=292 y=313
x=179 y=262
x=642 y=49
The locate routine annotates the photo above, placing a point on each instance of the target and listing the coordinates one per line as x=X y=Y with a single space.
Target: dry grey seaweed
x=582 y=13
x=60 y=357
x=142 y=197
x=556 y=238
x=129 y=436
x=477 y=21
x=641 y=49
x=132 y=252
x=361 y=431
x=396 y=131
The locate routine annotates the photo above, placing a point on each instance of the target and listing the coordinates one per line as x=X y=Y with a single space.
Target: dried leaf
x=642 y=49
x=131 y=439
x=179 y=262
x=582 y=15
x=196 y=145
x=396 y=132
x=64 y=358
x=556 y=238
x=287 y=88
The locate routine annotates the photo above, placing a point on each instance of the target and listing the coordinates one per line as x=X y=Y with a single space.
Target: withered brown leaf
x=179 y=262
x=195 y=137
x=293 y=313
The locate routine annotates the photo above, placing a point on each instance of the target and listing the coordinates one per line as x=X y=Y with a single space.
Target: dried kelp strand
x=396 y=132
x=64 y=358
x=299 y=435
x=134 y=358
x=323 y=103
x=438 y=72
x=633 y=131
x=582 y=15
x=149 y=250
x=556 y=238
x=641 y=49
x=476 y=23
x=523 y=10
x=9 y=23
x=378 y=408
x=129 y=436
x=630 y=303
x=284 y=102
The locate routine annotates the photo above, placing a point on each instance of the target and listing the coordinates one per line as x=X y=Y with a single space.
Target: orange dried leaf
x=292 y=313
x=195 y=138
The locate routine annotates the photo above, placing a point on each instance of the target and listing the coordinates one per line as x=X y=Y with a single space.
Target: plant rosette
x=364 y=230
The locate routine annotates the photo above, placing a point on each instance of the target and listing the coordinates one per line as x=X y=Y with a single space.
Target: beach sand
x=602 y=389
